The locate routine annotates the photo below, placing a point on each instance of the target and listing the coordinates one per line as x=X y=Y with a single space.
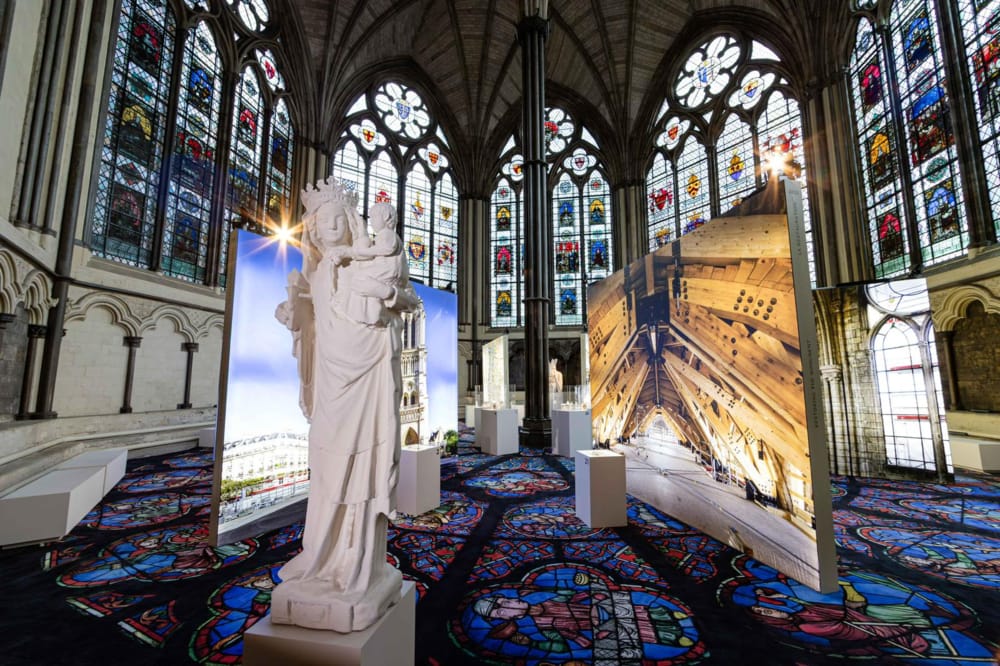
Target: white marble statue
x=344 y=314
x=555 y=377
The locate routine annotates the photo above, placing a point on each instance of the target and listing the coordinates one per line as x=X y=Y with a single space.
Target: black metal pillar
x=132 y=342
x=188 y=348
x=537 y=429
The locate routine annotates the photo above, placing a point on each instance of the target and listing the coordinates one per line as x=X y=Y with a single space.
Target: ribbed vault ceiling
x=609 y=56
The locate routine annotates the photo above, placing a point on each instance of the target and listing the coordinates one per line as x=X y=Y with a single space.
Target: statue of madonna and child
x=343 y=310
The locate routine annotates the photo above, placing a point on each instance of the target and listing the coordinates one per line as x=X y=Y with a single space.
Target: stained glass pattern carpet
x=505 y=573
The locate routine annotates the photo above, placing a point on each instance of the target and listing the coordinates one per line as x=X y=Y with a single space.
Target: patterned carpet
x=505 y=573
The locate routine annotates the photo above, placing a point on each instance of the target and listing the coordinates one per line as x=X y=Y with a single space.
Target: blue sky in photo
x=263 y=385
x=441 y=337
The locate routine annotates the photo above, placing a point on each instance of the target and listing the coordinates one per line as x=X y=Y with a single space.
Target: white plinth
x=206 y=438
x=49 y=507
x=982 y=456
x=477 y=417
x=600 y=488
x=112 y=461
x=571 y=431
x=470 y=416
x=388 y=641
x=497 y=431
x=520 y=414
x=419 y=488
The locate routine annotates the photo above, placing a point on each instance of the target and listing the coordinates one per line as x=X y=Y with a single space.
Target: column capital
x=532 y=25
x=131 y=341
x=6 y=318
x=37 y=330
x=832 y=373
x=189 y=346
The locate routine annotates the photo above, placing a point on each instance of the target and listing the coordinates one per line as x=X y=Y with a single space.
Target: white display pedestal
x=477 y=417
x=112 y=461
x=49 y=507
x=520 y=414
x=470 y=416
x=571 y=431
x=975 y=454
x=419 y=488
x=388 y=641
x=600 y=488
x=497 y=431
x=206 y=438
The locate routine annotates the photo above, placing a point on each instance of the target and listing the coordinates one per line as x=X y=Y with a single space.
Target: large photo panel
x=429 y=406
x=262 y=444
x=703 y=371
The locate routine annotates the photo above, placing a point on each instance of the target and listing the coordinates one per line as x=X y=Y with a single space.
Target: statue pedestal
x=600 y=488
x=497 y=433
x=571 y=432
x=419 y=488
x=388 y=641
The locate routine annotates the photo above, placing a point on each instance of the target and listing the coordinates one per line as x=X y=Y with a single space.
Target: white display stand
x=112 y=461
x=497 y=431
x=391 y=640
x=571 y=431
x=419 y=488
x=520 y=413
x=976 y=454
x=206 y=438
x=600 y=488
x=470 y=415
x=49 y=507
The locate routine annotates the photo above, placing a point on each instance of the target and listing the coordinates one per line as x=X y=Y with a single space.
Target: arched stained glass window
x=581 y=219
x=981 y=30
x=730 y=94
x=390 y=132
x=189 y=197
x=125 y=211
x=913 y=188
x=157 y=52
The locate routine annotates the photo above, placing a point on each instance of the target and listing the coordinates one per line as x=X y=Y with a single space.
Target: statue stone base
x=308 y=603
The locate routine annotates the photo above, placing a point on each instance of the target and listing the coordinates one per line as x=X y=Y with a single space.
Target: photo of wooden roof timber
x=701 y=340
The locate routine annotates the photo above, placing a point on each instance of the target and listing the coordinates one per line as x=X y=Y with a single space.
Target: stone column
x=190 y=348
x=837 y=437
x=631 y=232
x=532 y=32
x=35 y=333
x=132 y=342
x=474 y=296
x=946 y=355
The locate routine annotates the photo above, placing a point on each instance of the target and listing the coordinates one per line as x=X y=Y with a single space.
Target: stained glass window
x=581 y=218
x=735 y=162
x=189 y=196
x=910 y=157
x=132 y=156
x=132 y=178
x=934 y=175
x=505 y=243
x=418 y=211
x=660 y=202
x=981 y=31
x=694 y=186
x=279 y=165
x=389 y=132
x=445 y=269
x=254 y=14
x=730 y=94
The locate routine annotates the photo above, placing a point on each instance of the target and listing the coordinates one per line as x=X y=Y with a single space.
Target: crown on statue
x=329 y=190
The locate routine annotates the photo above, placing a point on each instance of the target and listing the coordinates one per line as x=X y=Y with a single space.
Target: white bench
x=112 y=461
x=47 y=508
x=976 y=454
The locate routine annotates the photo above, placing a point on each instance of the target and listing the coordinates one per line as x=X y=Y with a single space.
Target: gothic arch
x=951 y=308
x=121 y=314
